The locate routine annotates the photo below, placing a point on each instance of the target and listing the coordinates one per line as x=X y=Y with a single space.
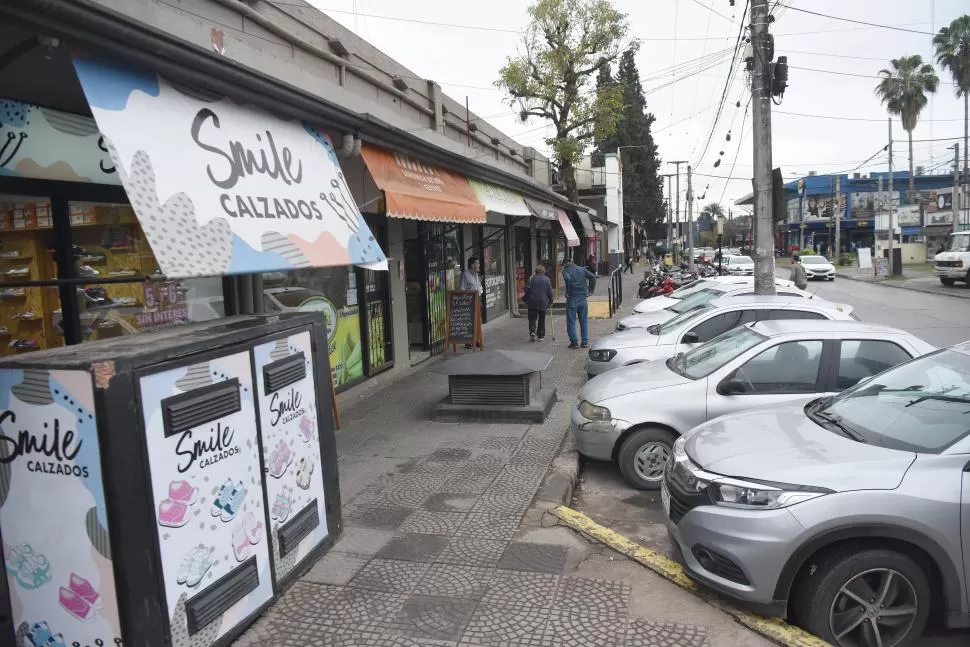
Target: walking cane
x=552 y=328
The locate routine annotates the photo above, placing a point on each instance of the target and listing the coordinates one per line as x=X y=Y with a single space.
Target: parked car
x=818 y=267
x=633 y=415
x=662 y=301
x=685 y=331
x=848 y=514
x=953 y=264
x=697 y=300
x=743 y=265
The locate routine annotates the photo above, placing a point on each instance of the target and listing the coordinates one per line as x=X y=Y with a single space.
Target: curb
x=774 y=629
x=902 y=286
x=563 y=475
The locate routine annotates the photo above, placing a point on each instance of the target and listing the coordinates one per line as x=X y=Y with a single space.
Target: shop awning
x=541 y=209
x=419 y=191
x=586 y=222
x=572 y=240
x=223 y=188
x=498 y=199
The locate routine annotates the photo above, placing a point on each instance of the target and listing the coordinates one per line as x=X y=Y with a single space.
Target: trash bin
x=163 y=489
x=603 y=268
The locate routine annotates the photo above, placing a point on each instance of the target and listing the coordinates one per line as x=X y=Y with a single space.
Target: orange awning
x=419 y=191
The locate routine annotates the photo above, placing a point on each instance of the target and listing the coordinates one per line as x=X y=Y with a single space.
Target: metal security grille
x=443 y=263
x=489 y=389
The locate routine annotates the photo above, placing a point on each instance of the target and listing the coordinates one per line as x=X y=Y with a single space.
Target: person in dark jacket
x=538 y=298
x=579 y=283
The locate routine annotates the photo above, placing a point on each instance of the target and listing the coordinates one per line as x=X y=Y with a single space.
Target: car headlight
x=757 y=496
x=593 y=412
x=603 y=355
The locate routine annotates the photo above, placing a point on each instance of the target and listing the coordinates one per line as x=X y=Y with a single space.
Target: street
x=940 y=320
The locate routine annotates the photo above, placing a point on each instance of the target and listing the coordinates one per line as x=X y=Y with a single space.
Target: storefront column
x=399 y=302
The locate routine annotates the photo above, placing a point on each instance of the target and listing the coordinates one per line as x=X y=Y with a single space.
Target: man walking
x=628 y=263
x=579 y=283
x=538 y=298
x=798 y=276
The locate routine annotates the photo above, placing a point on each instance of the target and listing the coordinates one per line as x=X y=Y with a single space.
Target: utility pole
x=956 y=186
x=690 y=222
x=892 y=228
x=677 y=164
x=837 y=214
x=764 y=257
x=670 y=208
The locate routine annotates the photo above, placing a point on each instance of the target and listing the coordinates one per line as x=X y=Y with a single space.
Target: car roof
x=744 y=280
x=963 y=347
x=769 y=299
x=827 y=326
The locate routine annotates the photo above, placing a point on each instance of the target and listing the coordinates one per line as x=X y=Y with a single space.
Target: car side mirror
x=732 y=386
x=691 y=338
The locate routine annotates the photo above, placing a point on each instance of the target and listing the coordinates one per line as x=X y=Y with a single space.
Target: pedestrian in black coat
x=538 y=298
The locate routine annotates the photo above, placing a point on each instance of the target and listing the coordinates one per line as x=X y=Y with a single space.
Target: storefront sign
x=222 y=188
x=498 y=199
x=540 y=209
x=52 y=510
x=48 y=144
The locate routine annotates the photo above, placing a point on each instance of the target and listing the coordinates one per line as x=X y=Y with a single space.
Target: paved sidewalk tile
x=434 y=552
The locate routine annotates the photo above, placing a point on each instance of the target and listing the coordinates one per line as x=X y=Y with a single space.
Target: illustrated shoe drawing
x=30 y=569
x=221 y=498
x=172 y=514
x=194 y=566
x=39 y=635
x=280 y=459
x=182 y=492
x=57 y=640
x=253 y=527
x=76 y=605
x=281 y=507
x=84 y=589
x=231 y=507
x=303 y=473
x=241 y=546
x=306 y=428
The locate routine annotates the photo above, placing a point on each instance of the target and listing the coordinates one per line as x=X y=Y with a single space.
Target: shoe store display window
x=113 y=280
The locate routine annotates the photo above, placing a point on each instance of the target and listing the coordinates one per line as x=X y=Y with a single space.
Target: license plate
x=665 y=498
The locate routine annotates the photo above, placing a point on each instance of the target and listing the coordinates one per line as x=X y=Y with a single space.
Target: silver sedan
x=665 y=301
x=634 y=415
x=686 y=331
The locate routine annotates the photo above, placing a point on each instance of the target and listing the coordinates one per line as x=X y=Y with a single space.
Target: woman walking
x=538 y=298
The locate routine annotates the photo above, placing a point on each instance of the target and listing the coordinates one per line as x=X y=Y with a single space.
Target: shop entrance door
x=414 y=292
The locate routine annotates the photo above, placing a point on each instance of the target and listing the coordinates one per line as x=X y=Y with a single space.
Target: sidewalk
x=911 y=280
x=445 y=544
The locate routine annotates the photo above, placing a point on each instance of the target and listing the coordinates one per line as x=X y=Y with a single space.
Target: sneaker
x=13 y=293
x=221 y=498
x=232 y=506
x=242 y=548
x=31 y=570
x=4 y=331
x=172 y=514
x=23 y=344
x=539 y=339
x=87 y=270
x=13 y=253
x=84 y=589
x=573 y=345
x=75 y=605
x=25 y=315
x=39 y=635
x=303 y=473
x=125 y=272
x=532 y=336
x=194 y=566
x=585 y=344
x=281 y=506
x=182 y=492
x=306 y=428
x=253 y=527
x=280 y=459
x=18 y=271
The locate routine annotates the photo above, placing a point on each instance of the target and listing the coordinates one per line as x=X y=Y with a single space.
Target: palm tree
x=715 y=209
x=953 y=54
x=903 y=89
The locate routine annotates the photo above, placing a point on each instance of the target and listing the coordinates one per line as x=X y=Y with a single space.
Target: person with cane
x=538 y=298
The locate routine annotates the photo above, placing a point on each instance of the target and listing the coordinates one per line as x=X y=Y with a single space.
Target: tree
x=564 y=48
x=903 y=89
x=708 y=217
x=953 y=53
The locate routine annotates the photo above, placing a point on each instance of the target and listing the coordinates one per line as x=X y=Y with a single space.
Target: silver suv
x=850 y=514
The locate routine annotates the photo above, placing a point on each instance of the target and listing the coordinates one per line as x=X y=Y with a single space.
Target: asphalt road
x=940 y=320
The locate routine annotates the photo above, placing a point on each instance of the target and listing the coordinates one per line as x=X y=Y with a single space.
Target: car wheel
x=856 y=597
x=643 y=455
x=947 y=282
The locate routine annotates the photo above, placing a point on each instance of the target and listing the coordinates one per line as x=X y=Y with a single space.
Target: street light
x=720 y=235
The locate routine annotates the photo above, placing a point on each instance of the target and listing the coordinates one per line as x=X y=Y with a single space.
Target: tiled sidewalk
x=435 y=550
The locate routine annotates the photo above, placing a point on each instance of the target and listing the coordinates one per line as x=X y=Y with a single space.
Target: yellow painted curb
x=771 y=628
x=599 y=309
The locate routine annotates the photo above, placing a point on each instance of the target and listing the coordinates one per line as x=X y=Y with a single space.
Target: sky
x=829 y=119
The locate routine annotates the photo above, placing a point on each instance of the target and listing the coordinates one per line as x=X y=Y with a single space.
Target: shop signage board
x=224 y=188
x=206 y=482
x=498 y=199
x=464 y=318
x=47 y=144
x=59 y=563
x=291 y=449
x=882 y=268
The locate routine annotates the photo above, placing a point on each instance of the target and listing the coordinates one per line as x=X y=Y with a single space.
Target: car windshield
x=739 y=260
x=697 y=300
x=677 y=322
x=687 y=290
x=707 y=358
x=959 y=243
x=920 y=406
x=814 y=260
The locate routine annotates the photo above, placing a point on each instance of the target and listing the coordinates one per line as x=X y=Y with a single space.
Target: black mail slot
x=284 y=372
x=301 y=525
x=199 y=406
x=221 y=594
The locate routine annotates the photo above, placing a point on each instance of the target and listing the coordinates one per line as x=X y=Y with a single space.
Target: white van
x=954 y=264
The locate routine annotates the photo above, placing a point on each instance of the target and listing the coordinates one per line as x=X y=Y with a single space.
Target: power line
x=862 y=22
x=738 y=152
x=713 y=11
x=839 y=118
x=855 y=74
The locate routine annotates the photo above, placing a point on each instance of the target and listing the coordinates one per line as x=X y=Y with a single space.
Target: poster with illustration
x=200 y=428
x=53 y=517
x=286 y=392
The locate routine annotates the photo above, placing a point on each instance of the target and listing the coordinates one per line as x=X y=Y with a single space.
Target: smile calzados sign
x=224 y=188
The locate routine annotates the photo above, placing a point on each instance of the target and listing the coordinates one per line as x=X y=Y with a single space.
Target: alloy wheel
x=650 y=460
x=876 y=608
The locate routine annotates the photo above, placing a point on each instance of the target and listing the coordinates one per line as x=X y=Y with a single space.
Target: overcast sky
x=842 y=57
